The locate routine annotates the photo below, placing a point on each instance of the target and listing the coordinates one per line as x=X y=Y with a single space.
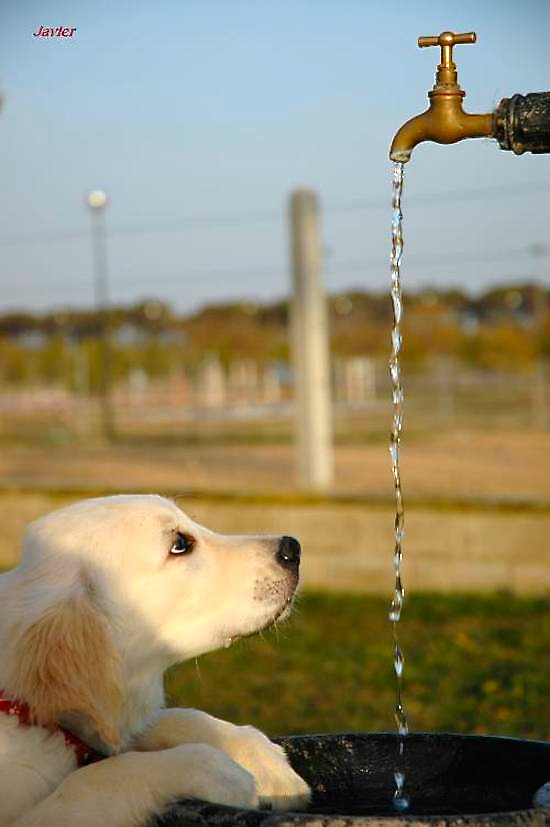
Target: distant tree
x=502 y=347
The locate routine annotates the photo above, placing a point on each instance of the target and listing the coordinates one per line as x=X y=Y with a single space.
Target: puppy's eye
x=183 y=544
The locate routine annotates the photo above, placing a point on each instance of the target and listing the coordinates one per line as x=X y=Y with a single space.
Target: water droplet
x=396 y=606
x=397 y=307
x=397 y=217
x=394 y=372
x=401 y=803
x=396 y=341
x=398 y=664
x=397 y=396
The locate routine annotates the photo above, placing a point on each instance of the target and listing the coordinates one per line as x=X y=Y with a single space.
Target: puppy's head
x=146 y=587
x=172 y=582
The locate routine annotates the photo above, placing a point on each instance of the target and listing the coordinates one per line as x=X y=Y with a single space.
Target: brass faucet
x=445 y=121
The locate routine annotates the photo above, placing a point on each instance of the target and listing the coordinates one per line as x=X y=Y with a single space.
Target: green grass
x=473 y=664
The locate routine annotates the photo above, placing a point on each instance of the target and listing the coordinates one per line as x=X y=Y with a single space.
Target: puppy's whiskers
x=198 y=671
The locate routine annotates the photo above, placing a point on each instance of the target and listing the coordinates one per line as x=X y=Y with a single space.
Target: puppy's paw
x=211 y=775
x=277 y=785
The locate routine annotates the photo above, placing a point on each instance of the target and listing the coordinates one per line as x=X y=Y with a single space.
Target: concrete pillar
x=243 y=382
x=358 y=378
x=271 y=385
x=310 y=347
x=212 y=383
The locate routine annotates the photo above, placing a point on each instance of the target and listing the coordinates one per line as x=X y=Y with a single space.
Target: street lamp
x=97 y=200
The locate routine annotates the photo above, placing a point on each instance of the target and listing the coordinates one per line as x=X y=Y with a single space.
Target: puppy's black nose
x=288 y=553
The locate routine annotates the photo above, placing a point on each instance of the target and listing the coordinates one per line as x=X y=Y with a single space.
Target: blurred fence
x=444 y=395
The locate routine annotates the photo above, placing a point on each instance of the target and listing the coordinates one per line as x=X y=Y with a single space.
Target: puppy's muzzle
x=288 y=554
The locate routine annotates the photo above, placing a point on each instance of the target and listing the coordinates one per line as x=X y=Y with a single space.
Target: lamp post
x=97 y=201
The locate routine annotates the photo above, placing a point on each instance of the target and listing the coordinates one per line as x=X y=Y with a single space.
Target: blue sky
x=199 y=117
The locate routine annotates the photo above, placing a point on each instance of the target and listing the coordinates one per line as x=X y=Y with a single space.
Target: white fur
x=98 y=577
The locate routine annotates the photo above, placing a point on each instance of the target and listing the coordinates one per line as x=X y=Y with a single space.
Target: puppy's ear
x=66 y=662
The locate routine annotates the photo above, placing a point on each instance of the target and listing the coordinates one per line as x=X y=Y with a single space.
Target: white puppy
x=109 y=593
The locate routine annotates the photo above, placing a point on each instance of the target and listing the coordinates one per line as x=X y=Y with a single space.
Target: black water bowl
x=451 y=779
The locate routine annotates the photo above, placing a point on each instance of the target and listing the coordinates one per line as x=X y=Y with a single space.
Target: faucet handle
x=447 y=40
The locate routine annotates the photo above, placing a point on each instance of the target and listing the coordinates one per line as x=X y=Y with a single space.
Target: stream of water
x=401 y=800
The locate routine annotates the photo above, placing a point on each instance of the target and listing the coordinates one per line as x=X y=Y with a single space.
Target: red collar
x=20 y=710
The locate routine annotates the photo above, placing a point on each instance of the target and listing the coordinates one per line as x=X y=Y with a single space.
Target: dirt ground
x=453 y=465
x=346 y=545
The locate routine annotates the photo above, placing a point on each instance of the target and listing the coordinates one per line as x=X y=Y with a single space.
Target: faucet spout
x=445 y=121
x=411 y=133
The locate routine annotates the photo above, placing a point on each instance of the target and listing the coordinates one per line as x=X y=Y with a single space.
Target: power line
x=243 y=275
x=274 y=215
x=464 y=194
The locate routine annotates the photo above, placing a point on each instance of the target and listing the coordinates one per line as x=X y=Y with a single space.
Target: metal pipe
x=522 y=123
